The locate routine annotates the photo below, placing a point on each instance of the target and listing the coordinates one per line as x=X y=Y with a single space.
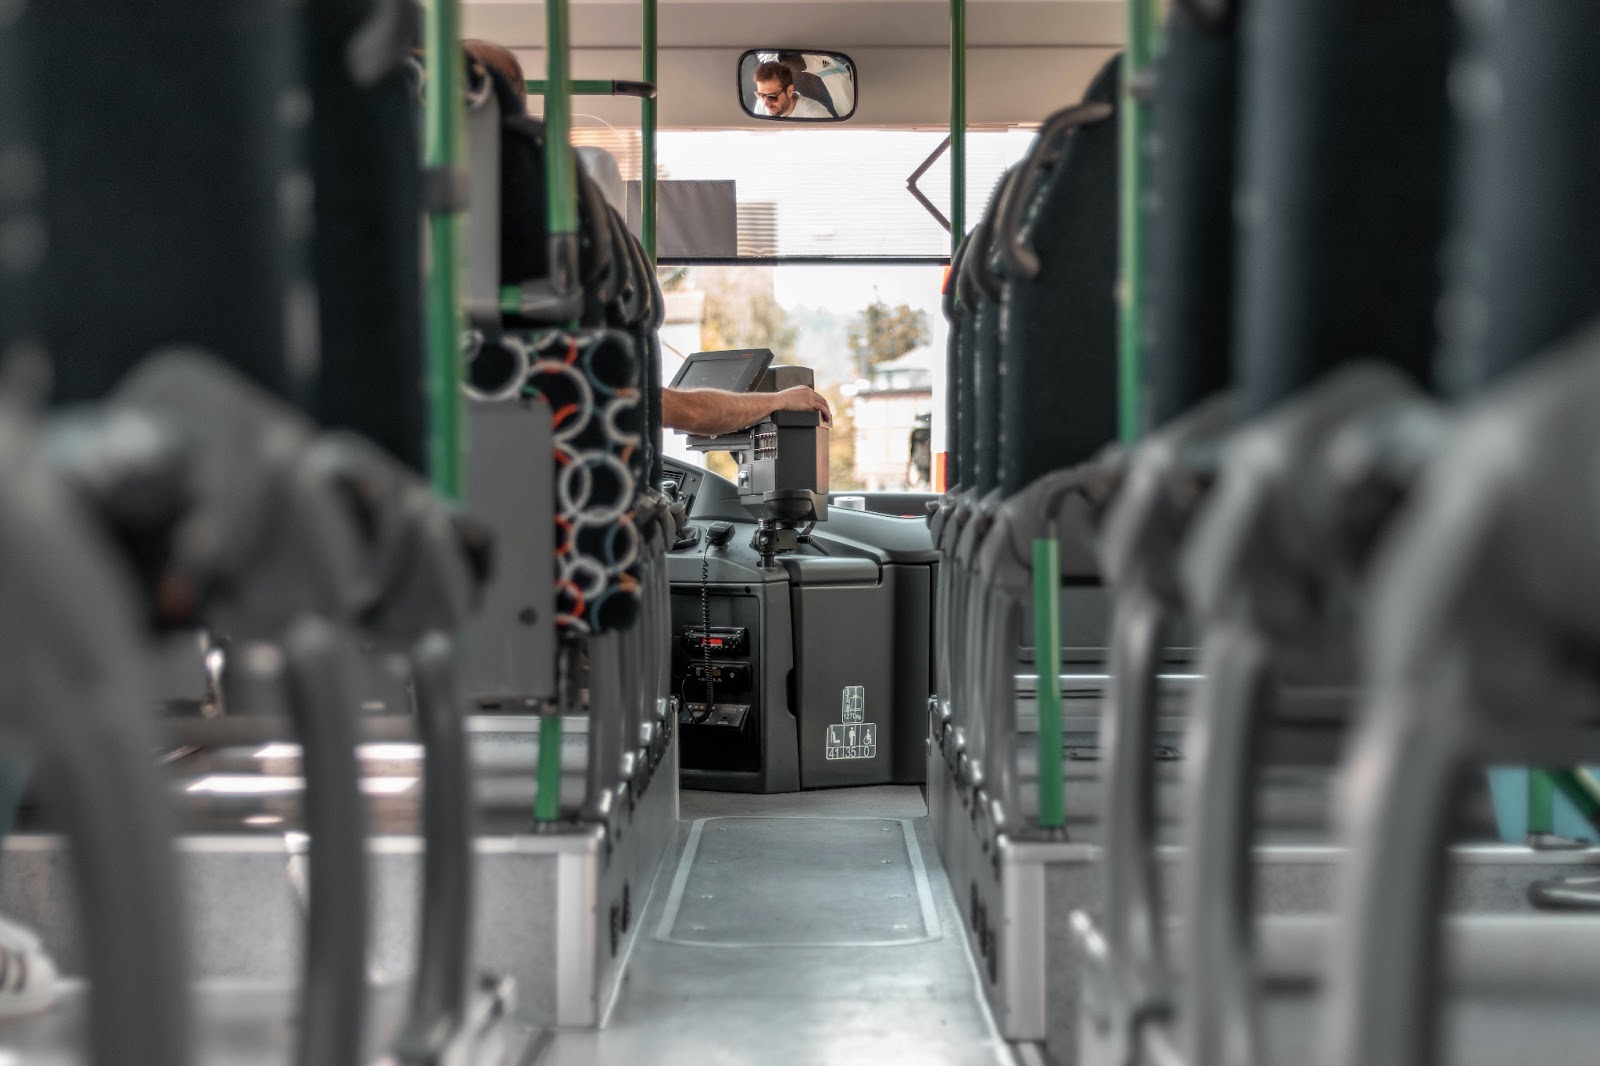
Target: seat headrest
x=604 y=172
x=1106 y=88
x=505 y=94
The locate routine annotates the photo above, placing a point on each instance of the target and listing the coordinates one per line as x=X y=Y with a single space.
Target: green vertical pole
x=561 y=163
x=1143 y=32
x=1047 y=659
x=561 y=215
x=442 y=115
x=561 y=187
x=647 y=134
x=958 y=123
x=547 y=790
x=1541 y=804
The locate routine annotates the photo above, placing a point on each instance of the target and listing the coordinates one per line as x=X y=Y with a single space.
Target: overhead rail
x=642 y=90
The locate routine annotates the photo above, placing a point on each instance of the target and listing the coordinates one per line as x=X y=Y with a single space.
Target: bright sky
x=843 y=192
x=846 y=289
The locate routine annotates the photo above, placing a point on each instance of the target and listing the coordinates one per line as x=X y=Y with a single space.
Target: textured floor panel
x=911 y=1004
x=800 y=882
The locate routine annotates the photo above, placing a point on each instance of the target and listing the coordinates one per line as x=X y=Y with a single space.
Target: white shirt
x=807 y=108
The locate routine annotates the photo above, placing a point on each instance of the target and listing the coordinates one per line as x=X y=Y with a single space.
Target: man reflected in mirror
x=778 y=98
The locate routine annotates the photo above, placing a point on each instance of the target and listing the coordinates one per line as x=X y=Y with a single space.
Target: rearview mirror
x=794 y=86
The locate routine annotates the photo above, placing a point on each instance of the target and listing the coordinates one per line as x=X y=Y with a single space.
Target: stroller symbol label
x=853 y=704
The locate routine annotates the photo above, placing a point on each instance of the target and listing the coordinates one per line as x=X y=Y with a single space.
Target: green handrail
x=1541 y=804
x=648 y=115
x=644 y=90
x=1047 y=661
x=561 y=183
x=1143 y=35
x=561 y=215
x=958 y=124
x=547 y=788
x=443 y=151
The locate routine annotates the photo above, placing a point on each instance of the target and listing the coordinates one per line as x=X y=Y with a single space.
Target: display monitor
x=735 y=371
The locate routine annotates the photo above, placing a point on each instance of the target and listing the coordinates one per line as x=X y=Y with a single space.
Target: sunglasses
x=772 y=98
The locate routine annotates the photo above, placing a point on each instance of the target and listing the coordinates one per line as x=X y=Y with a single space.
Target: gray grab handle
x=1231 y=707
x=1021 y=260
x=1134 y=929
x=322 y=696
x=444 y=954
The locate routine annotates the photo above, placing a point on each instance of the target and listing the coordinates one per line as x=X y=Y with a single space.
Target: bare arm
x=713 y=412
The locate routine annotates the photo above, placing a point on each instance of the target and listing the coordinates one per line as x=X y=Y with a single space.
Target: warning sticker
x=853 y=704
x=852 y=741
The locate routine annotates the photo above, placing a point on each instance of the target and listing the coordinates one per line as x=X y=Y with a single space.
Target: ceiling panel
x=748 y=23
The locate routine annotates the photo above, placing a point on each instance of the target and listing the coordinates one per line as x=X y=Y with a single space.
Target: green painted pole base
x=1541 y=804
x=547 y=793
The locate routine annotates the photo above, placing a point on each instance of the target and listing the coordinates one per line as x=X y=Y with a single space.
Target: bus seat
x=1059 y=348
x=813 y=87
x=76 y=659
x=504 y=141
x=954 y=312
x=1188 y=335
x=1523 y=270
x=979 y=339
x=274 y=546
x=1346 y=190
x=588 y=377
x=601 y=166
x=200 y=240
x=1482 y=623
x=1317 y=292
x=966 y=336
x=982 y=304
x=583 y=365
x=116 y=812
x=983 y=294
x=365 y=162
x=1190 y=407
x=1056 y=315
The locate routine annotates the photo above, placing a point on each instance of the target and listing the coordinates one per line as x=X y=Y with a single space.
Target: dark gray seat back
x=366 y=162
x=1345 y=190
x=1188 y=330
x=1058 y=333
x=176 y=197
x=1524 y=273
x=954 y=313
x=980 y=293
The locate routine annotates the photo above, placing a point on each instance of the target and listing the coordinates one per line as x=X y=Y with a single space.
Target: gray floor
x=805 y=930
x=238 y=1023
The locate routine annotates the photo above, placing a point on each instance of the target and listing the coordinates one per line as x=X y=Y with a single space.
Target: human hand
x=801 y=398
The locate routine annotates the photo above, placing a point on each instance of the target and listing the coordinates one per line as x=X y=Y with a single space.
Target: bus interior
x=1117 y=599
